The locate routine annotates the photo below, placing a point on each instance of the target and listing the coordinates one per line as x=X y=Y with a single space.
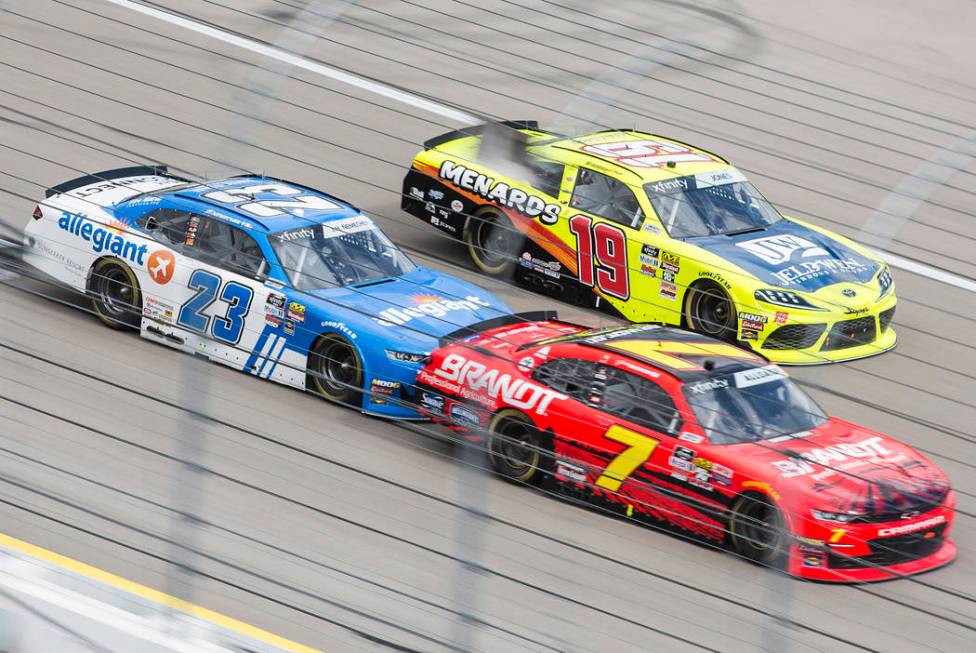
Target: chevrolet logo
x=910 y=514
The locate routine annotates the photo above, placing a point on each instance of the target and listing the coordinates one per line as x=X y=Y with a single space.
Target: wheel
x=709 y=310
x=517 y=450
x=115 y=294
x=335 y=370
x=492 y=241
x=757 y=530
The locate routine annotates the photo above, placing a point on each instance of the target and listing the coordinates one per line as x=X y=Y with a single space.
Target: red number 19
x=610 y=253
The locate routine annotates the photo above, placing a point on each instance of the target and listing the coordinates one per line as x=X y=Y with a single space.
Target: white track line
x=439 y=109
x=301 y=62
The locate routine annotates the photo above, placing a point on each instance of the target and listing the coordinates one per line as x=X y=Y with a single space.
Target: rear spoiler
x=495 y=322
x=476 y=130
x=108 y=175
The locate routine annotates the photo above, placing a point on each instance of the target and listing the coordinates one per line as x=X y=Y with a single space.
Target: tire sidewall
x=350 y=396
x=130 y=320
x=541 y=460
x=487 y=214
x=692 y=322
x=773 y=556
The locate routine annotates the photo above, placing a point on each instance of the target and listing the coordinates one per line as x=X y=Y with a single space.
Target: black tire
x=517 y=449
x=335 y=370
x=710 y=310
x=757 y=530
x=115 y=294
x=493 y=242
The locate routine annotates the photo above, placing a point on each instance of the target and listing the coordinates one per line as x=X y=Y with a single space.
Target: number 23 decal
x=238 y=297
x=608 y=245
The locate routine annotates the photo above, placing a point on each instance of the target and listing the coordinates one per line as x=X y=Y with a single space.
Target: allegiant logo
x=102 y=239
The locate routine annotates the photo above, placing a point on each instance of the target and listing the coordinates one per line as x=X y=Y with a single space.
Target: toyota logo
x=847 y=292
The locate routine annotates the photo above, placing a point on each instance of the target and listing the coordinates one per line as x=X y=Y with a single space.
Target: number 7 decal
x=639 y=449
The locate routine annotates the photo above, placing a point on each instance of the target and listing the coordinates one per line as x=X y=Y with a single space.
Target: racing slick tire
x=517 y=450
x=492 y=241
x=757 y=530
x=335 y=370
x=115 y=294
x=710 y=310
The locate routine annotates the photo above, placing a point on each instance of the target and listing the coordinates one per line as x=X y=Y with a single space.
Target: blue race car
x=270 y=277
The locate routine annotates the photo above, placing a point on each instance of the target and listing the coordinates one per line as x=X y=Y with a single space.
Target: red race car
x=670 y=426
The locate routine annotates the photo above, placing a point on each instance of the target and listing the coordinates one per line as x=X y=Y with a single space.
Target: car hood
x=419 y=303
x=841 y=467
x=790 y=255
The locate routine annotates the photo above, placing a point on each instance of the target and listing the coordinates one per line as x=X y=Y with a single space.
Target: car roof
x=674 y=351
x=632 y=156
x=292 y=219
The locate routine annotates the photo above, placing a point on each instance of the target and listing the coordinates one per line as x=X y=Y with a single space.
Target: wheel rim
x=116 y=292
x=494 y=239
x=515 y=446
x=338 y=371
x=758 y=525
x=712 y=311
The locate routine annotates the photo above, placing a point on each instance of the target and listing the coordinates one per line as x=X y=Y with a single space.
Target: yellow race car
x=653 y=230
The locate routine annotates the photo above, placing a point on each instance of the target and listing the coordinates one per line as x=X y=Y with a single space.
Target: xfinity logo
x=777 y=250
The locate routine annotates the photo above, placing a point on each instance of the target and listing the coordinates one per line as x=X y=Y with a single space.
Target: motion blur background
x=348 y=533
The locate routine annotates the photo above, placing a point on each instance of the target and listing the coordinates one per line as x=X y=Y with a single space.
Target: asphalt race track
x=345 y=532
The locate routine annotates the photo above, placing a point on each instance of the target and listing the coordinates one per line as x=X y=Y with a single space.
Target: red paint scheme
x=493 y=370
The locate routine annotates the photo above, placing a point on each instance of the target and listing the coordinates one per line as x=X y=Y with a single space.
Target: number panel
x=205 y=284
x=601 y=256
x=637 y=452
x=230 y=325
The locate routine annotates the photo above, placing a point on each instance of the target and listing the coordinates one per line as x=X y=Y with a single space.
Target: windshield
x=338 y=253
x=755 y=404
x=709 y=204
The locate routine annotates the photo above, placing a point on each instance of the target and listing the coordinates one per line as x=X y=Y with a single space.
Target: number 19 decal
x=639 y=449
x=227 y=328
x=608 y=245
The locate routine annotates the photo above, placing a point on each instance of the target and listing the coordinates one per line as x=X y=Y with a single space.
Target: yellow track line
x=152 y=595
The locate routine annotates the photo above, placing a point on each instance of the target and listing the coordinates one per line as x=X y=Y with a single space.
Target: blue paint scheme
x=407 y=313
x=826 y=263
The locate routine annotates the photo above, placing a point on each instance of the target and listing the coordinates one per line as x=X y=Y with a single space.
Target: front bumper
x=864 y=552
x=813 y=338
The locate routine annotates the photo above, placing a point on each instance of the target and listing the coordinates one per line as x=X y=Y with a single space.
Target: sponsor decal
x=157 y=310
x=647 y=270
x=296 y=311
x=911 y=528
x=701 y=387
x=416 y=192
x=161 y=266
x=156 y=180
x=381 y=387
x=274 y=305
x=781 y=317
x=435 y=194
x=721 y=474
x=429 y=305
x=542 y=353
x=443 y=224
x=702 y=478
x=847 y=292
x=667 y=276
x=499 y=192
x=748 y=325
x=714 y=276
x=570 y=472
x=340 y=327
x=814 y=559
x=670 y=262
x=872 y=449
x=272 y=320
x=473 y=380
x=461 y=414
x=193 y=225
x=432 y=402
x=757 y=376
x=650 y=255
x=103 y=238
x=289 y=328
x=526 y=364
x=750 y=334
x=669 y=290
x=691 y=437
x=682 y=458
x=777 y=250
x=457 y=206
x=646 y=153
x=753 y=317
